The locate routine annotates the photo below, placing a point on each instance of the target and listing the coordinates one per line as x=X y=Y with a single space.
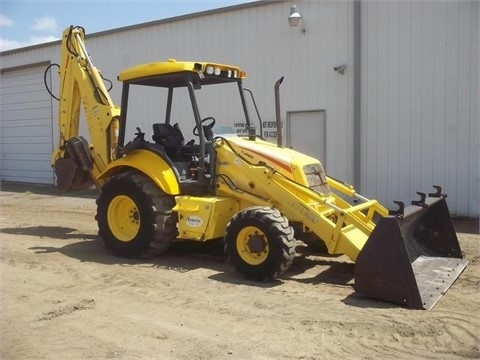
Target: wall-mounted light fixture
x=295 y=19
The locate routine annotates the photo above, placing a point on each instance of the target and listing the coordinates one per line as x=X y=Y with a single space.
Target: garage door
x=25 y=126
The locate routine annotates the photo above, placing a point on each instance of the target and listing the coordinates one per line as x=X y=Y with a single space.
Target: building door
x=25 y=126
x=306 y=133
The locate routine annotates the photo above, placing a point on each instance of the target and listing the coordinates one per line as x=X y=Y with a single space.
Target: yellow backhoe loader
x=256 y=195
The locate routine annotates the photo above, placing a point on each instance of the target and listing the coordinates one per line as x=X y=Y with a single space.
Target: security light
x=295 y=18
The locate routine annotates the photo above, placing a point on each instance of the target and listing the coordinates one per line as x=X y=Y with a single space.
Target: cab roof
x=174 y=73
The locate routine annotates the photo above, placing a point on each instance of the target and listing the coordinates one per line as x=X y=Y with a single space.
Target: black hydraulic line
x=45 y=80
x=107 y=80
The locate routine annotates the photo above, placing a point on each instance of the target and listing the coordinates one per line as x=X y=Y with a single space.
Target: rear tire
x=134 y=216
x=259 y=242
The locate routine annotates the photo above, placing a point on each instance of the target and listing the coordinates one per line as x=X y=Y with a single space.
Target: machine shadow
x=44 y=189
x=333 y=270
x=186 y=256
x=54 y=232
x=329 y=269
x=90 y=248
x=360 y=301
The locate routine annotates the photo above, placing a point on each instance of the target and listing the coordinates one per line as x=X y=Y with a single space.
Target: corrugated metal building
x=399 y=113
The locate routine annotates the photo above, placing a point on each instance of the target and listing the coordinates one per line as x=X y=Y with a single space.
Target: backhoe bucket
x=70 y=177
x=411 y=258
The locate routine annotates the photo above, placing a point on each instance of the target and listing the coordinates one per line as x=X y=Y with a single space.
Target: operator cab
x=193 y=160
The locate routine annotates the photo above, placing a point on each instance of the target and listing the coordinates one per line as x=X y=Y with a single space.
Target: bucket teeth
x=420 y=202
x=438 y=193
x=400 y=211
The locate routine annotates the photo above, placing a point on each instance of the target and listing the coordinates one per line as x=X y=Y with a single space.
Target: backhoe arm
x=81 y=83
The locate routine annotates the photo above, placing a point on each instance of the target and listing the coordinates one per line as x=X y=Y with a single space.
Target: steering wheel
x=208 y=126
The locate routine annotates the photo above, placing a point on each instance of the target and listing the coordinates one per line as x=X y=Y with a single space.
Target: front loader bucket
x=411 y=258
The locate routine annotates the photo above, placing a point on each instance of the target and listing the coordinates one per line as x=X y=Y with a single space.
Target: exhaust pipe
x=278 y=117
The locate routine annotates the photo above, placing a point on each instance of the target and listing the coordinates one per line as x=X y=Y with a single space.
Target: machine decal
x=194 y=221
x=304 y=211
x=276 y=161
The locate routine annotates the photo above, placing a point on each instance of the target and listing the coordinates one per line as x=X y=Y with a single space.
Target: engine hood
x=283 y=159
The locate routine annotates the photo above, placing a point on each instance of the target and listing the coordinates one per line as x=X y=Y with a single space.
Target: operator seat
x=170 y=137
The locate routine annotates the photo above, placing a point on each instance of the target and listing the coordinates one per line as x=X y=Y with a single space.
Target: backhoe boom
x=81 y=83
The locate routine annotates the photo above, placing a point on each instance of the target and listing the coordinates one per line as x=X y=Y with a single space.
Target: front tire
x=259 y=242
x=135 y=216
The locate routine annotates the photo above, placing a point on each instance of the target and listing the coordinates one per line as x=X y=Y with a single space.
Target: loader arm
x=344 y=229
x=81 y=83
x=410 y=256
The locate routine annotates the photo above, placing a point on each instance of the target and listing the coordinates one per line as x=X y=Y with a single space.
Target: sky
x=30 y=22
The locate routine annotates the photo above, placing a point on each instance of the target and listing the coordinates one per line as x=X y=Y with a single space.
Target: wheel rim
x=252 y=245
x=123 y=218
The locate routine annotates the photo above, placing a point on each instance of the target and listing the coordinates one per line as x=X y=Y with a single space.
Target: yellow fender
x=151 y=165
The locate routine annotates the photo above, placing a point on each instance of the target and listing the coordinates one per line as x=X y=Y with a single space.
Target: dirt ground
x=64 y=296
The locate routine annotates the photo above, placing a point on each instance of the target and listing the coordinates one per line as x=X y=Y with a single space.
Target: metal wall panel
x=419 y=82
x=259 y=40
x=420 y=71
